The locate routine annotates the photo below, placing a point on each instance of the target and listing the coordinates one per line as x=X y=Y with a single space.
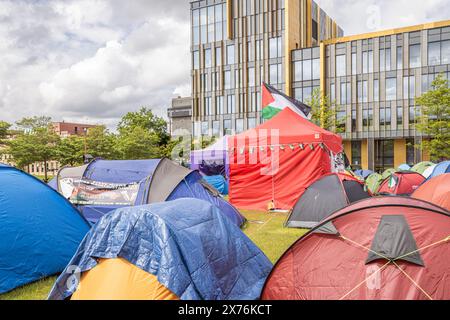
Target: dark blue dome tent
x=103 y=186
x=40 y=231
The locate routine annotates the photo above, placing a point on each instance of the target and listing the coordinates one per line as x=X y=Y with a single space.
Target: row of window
x=220 y=108
x=254 y=53
x=204 y=129
x=438 y=54
x=209 y=24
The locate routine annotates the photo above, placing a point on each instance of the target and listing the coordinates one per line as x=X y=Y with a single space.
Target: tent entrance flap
x=165 y=179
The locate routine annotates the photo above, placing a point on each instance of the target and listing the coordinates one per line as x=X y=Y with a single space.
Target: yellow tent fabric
x=118 y=279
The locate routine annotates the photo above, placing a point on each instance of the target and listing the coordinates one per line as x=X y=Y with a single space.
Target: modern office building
x=296 y=47
x=237 y=44
x=373 y=80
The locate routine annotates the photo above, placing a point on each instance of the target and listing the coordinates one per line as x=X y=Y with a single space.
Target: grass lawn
x=266 y=231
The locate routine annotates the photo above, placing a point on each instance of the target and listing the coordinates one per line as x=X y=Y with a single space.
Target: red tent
x=401 y=183
x=390 y=248
x=436 y=190
x=278 y=160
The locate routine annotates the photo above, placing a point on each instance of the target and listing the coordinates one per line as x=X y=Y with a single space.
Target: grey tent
x=325 y=196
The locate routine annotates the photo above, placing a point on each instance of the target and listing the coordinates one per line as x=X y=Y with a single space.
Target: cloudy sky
x=94 y=60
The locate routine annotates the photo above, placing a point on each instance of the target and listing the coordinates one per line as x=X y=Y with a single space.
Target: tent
x=388 y=172
x=401 y=183
x=39 y=230
x=386 y=248
x=183 y=249
x=218 y=182
x=373 y=182
x=438 y=169
x=278 y=160
x=422 y=166
x=325 y=196
x=363 y=173
x=103 y=186
x=404 y=167
x=436 y=190
x=429 y=171
x=213 y=160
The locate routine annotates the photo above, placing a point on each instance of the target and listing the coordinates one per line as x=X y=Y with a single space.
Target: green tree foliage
x=37 y=144
x=322 y=112
x=142 y=135
x=29 y=124
x=4 y=127
x=70 y=151
x=138 y=143
x=144 y=118
x=434 y=122
x=100 y=143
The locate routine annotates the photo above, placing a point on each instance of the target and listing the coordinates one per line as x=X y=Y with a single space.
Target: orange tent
x=277 y=161
x=435 y=190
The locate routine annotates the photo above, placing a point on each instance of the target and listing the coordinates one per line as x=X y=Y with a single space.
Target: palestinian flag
x=275 y=101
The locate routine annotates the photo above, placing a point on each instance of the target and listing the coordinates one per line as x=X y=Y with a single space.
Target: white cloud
x=94 y=60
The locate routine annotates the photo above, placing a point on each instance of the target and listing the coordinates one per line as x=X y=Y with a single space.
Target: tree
x=29 y=124
x=322 y=112
x=36 y=145
x=70 y=151
x=144 y=118
x=100 y=143
x=434 y=122
x=139 y=143
x=4 y=127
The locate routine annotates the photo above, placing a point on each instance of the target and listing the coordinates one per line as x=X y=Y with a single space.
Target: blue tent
x=218 y=182
x=192 y=249
x=39 y=230
x=363 y=173
x=439 y=169
x=404 y=167
x=103 y=186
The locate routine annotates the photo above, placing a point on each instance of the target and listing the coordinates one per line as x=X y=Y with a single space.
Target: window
x=365 y=62
x=216 y=128
x=298 y=71
x=356 y=153
x=250 y=53
x=434 y=53
x=384 y=154
x=409 y=87
x=218 y=56
x=340 y=66
x=275 y=48
x=382 y=60
x=239 y=125
x=388 y=60
x=205 y=128
x=208 y=58
x=227 y=129
x=399 y=58
x=445 y=52
x=275 y=73
x=196 y=58
x=414 y=56
x=315 y=30
x=231 y=103
x=227 y=79
x=219 y=105
x=251 y=77
x=341 y=116
x=230 y=54
x=391 y=89
x=412 y=115
x=376 y=90
x=399 y=117
x=354 y=66
x=316 y=69
x=354 y=120
x=343 y=93
x=307 y=70
x=251 y=123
